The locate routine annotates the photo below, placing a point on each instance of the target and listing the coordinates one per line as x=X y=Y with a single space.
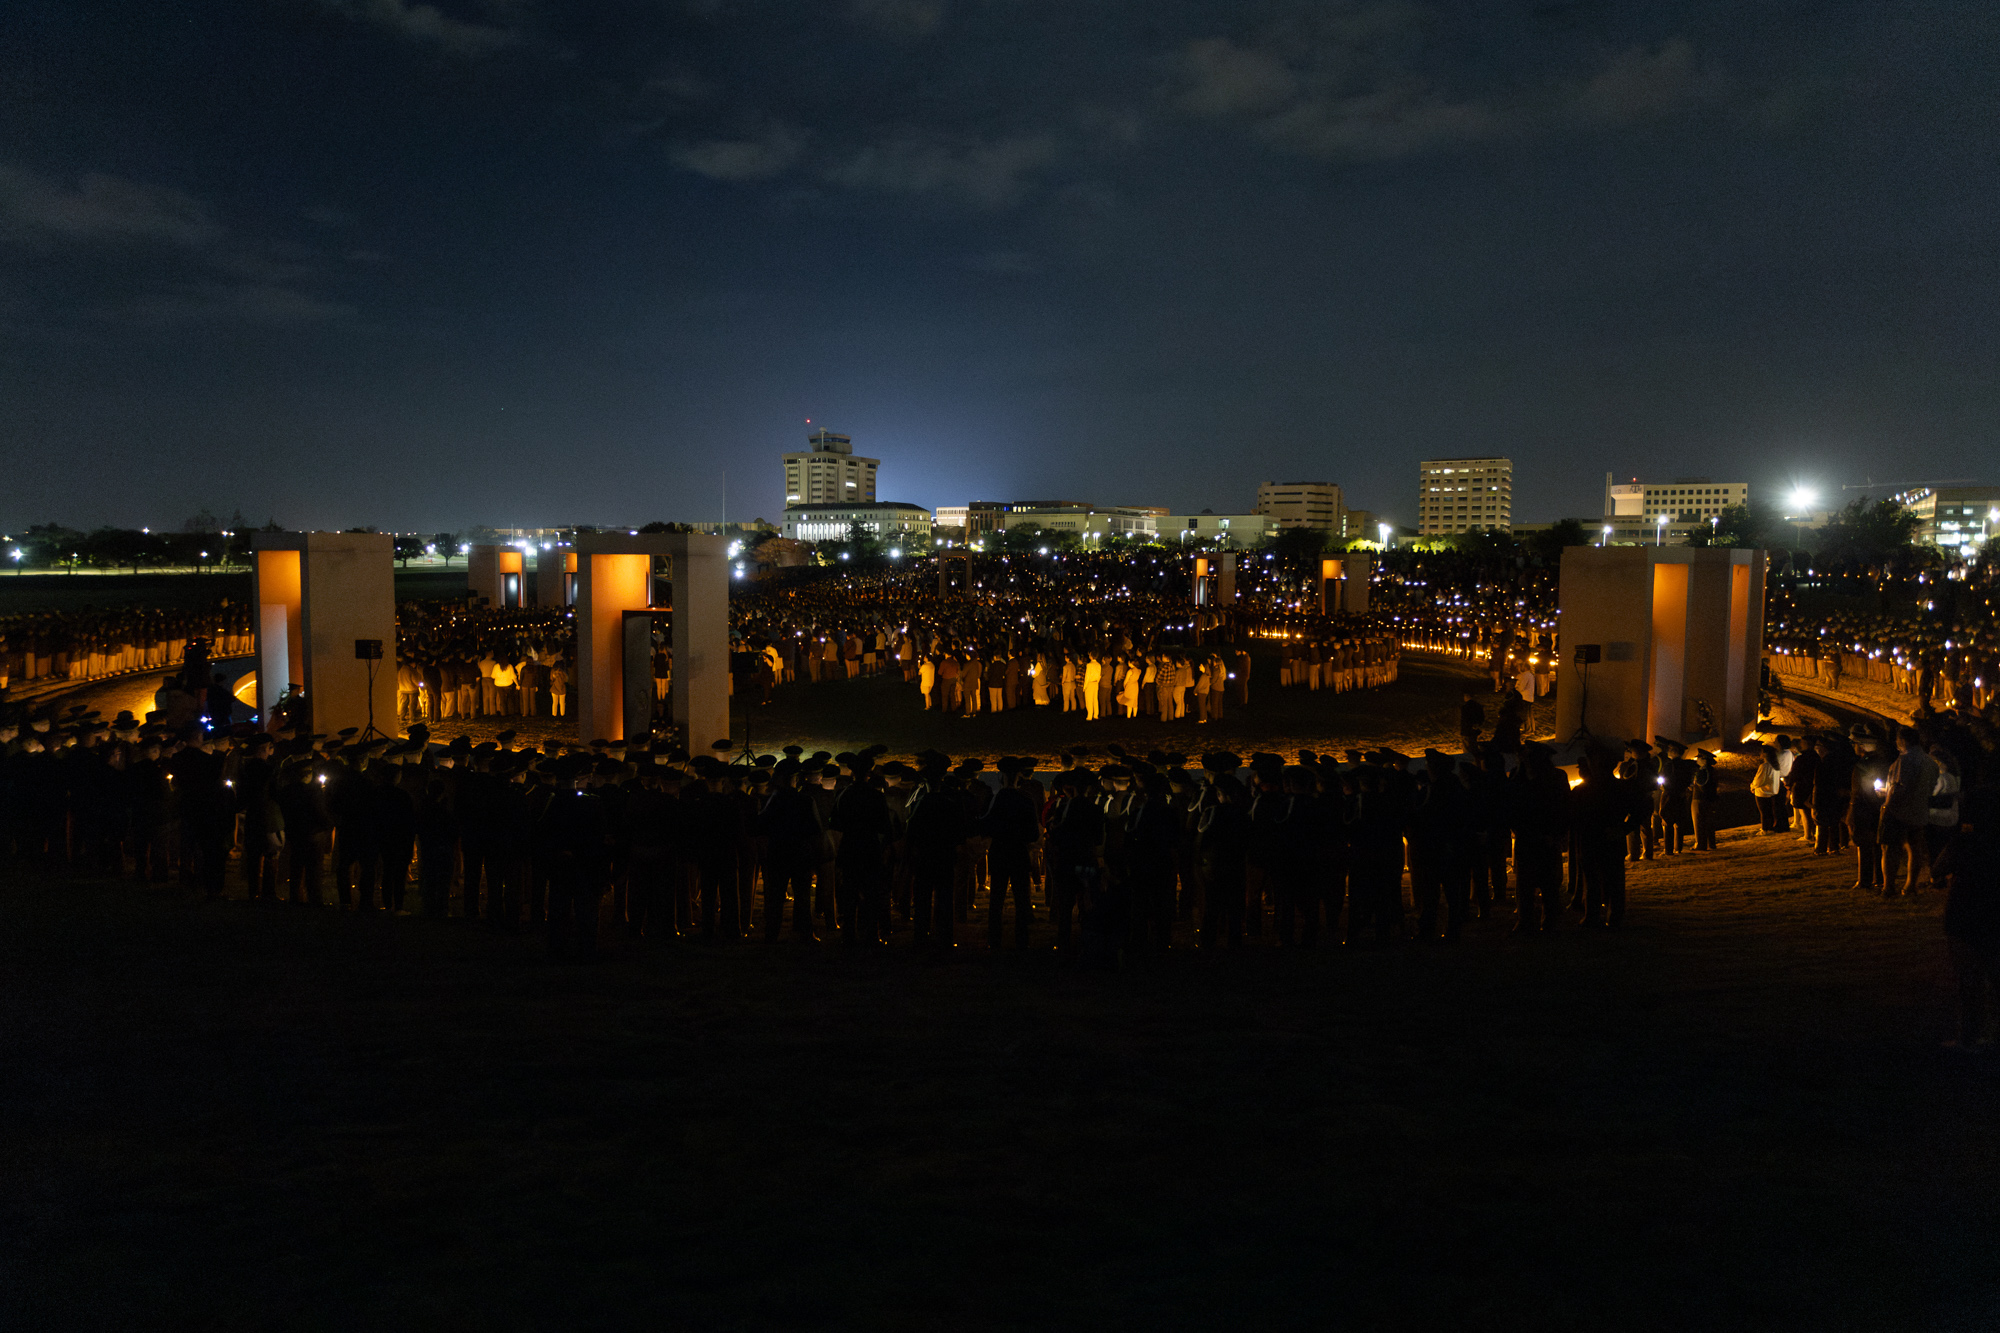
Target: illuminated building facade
x=1464 y=495
x=829 y=472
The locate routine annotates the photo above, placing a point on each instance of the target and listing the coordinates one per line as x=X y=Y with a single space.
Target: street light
x=1607 y=536
x=1800 y=502
x=1383 y=528
x=1660 y=530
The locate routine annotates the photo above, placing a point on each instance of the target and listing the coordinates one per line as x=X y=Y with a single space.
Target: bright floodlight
x=1802 y=499
x=895 y=553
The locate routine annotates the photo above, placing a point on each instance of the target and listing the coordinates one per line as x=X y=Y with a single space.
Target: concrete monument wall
x=614 y=576
x=316 y=594
x=488 y=571
x=555 y=572
x=1675 y=627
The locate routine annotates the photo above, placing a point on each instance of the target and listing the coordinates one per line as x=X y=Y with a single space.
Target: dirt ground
x=1731 y=1112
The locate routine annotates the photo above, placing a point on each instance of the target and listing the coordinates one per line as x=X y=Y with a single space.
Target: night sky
x=422 y=266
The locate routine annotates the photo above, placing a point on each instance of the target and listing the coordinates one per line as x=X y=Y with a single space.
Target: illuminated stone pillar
x=555 y=578
x=497 y=573
x=318 y=595
x=1674 y=628
x=1355 y=570
x=614 y=577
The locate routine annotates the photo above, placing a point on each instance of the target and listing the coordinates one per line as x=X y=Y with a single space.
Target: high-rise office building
x=1464 y=495
x=1302 y=504
x=829 y=472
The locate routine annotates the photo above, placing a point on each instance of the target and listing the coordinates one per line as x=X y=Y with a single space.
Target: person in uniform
x=574 y=837
x=1704 y=797
x=1833 y=778
x=1869 y=781
x=861 y=817
x=935 y=828
x=1012 y=826
x=1471 y=722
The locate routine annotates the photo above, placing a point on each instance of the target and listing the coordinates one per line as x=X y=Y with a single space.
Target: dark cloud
x=981 y=173
x=759 y=157
x=1642 y=83
x=99 y=207
x=901 y=18
x=430 y=26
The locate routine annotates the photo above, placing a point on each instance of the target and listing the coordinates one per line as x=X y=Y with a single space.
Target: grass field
x=1731 y=1113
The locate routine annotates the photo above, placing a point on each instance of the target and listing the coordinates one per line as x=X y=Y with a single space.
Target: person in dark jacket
x=1970 y=869
x=437 y=847
x=1866 y=786
x=1222 y=843
x=1151 y=830
x=263 y=821
x=395 y=830
x=1538 y=813
x=1075 y=851
x=1471 y=722
x=574 y=836
x=1608 y=813
x=1676 y=800
x=1012 y=826
x=1833 y=778
x=1704 y=800
x=936 y=826
x=861 y=818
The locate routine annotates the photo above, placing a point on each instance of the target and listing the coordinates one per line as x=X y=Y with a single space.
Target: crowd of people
x=1063 y=638
x=74 y=647
x=1125 y=856
x=1114 y=854
x=1940 y=662
x=459 y=662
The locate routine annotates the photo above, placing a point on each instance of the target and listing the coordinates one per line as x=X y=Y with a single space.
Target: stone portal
x=326 y=622
x=1660 y=641
x=615 y=577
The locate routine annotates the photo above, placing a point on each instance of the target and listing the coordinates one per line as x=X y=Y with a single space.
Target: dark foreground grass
x=1731 y=1113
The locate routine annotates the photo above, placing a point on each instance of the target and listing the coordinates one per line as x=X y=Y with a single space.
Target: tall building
x=829 y=472
x=1303 y=504
x=1464 y=495
x=1633 y=510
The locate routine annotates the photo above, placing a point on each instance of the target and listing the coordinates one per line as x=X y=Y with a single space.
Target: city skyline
x=436 y=265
